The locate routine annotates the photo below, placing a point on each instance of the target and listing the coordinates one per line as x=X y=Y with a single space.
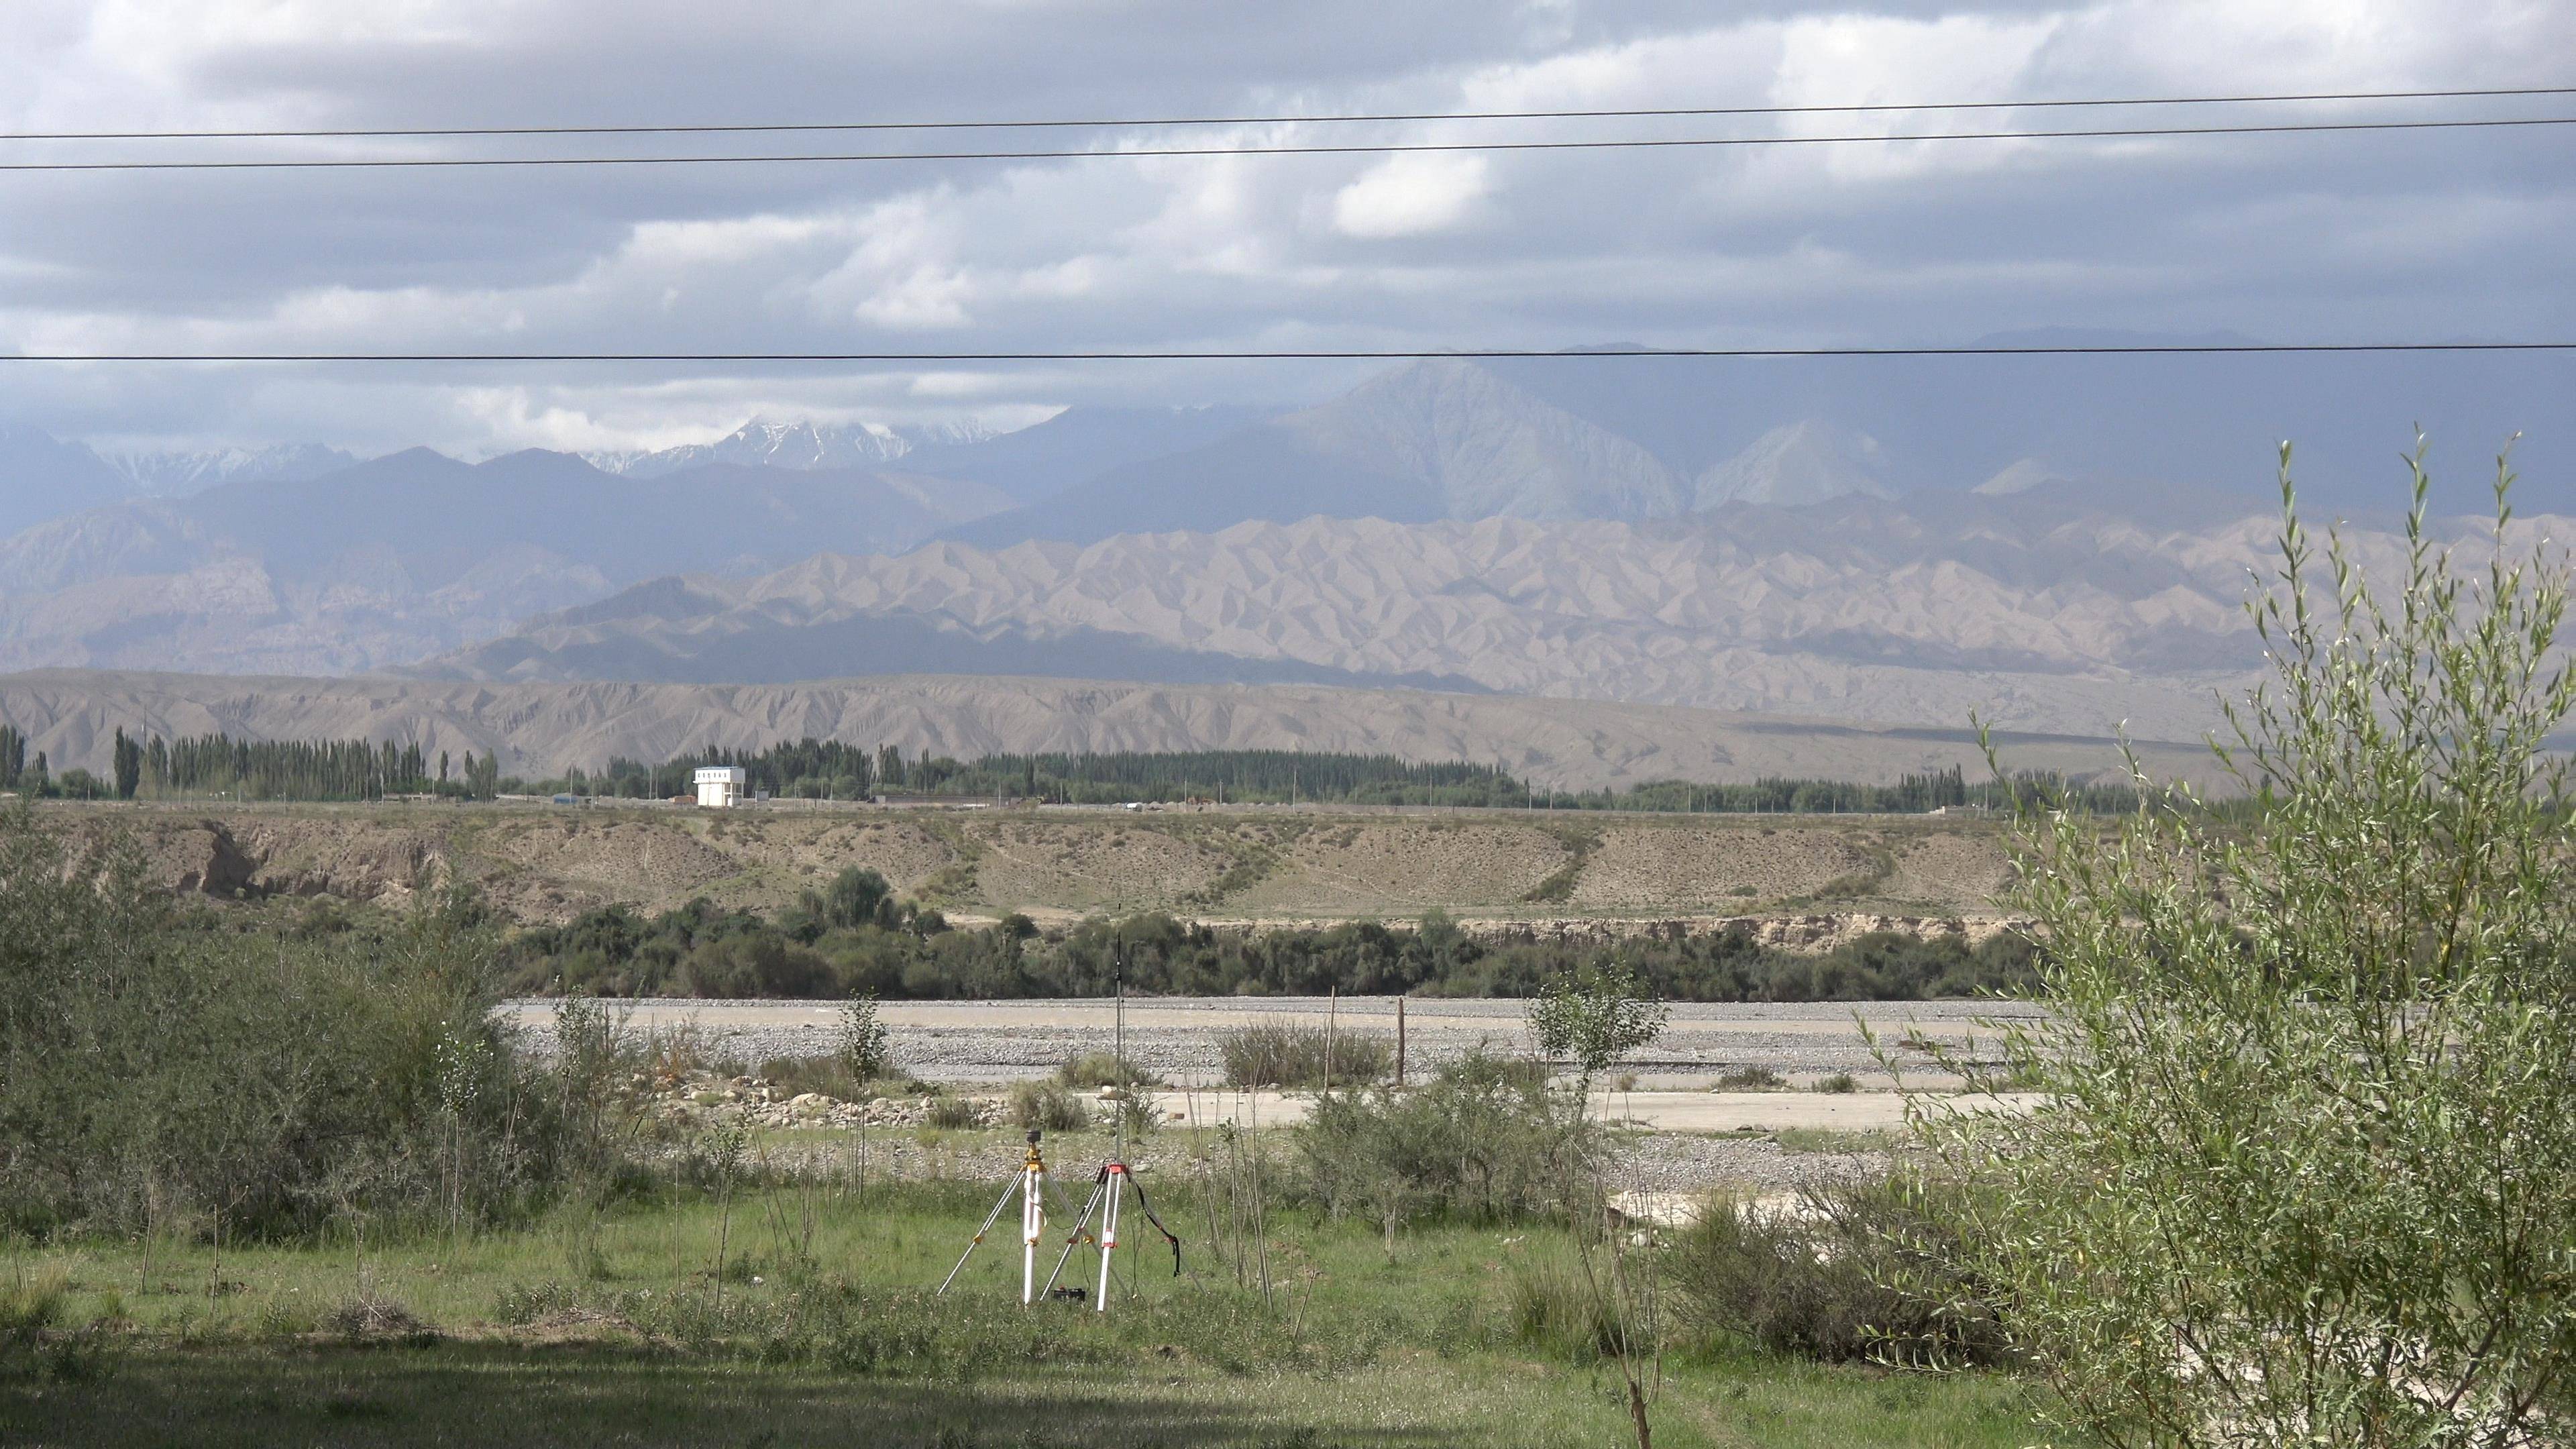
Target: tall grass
x=1852 y=1271
x=1304 y=1057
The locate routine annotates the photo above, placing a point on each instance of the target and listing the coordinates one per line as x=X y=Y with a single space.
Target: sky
x=2284 y=238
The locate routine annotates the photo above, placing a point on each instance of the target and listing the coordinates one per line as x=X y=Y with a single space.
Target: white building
x=722 y=784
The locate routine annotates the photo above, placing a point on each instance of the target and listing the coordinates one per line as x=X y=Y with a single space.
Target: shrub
x=372 y=1317
x=1838 y=1083
x=754 y=964
x=955 y=1113
x=827 y=1075
x=897 y=953
x=1048 y=1107
x=1480 y=1141
x=1100 y=1069
x=2309 y=1167
x=1855 y=1272
x=1303 y=1057
x=156 y=1069
x=1755 y=1078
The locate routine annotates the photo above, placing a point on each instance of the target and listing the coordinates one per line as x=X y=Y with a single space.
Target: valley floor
x=674 y=1323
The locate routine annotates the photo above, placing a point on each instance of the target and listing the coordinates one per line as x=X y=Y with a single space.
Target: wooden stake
x=1332 y=1022
x=1399 y=1042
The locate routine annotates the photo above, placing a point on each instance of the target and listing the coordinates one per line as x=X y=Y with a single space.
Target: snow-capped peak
x=177 y=474
x=804 y=446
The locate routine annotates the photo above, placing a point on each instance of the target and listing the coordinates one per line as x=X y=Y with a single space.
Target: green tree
x=129 y=765
x=865 y=1046
x=13 y=756
x=1593 y=1016
x=2309 y=1175
x=856 y=897
x=483 y=776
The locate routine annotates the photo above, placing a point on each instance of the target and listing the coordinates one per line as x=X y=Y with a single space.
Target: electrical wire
x=1354 y=149
x=1140 y=123
x=2071 y=349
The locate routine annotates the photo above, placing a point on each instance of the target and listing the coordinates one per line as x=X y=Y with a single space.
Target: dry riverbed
x=1180 y=1038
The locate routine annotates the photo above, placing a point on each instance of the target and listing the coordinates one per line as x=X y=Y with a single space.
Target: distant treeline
x=219 y=765
x=830 y=770
x=855 y=938
x=1231 y=776
x=808 y=768
x=826 y=770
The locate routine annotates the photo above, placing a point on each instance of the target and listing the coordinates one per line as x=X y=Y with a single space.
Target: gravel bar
x=1180 y=1038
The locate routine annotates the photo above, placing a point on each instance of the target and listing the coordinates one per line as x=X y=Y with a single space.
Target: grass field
x=616 y=1327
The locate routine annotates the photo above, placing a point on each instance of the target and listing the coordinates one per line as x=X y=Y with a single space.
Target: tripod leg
x=1117 y=1180
x=1032 y=1227
x=1063 y=1204
x=989 y=1219
x=1073 y=1237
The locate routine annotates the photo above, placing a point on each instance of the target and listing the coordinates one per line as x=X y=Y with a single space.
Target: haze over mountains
x=2032 y=538
x=2041 y=610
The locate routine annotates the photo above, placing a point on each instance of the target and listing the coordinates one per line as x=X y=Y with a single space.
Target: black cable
x=2144 y=349
x=1168 y=1235
x=1354 y=149
x=1138 y=123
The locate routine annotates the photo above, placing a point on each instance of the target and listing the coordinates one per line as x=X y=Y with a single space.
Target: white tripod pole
x=1116 y=1182
x=1032 y=1220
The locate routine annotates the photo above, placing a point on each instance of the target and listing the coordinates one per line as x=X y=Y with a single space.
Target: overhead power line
x=1362 y=354
x=1144 y=122
x=1352 y=149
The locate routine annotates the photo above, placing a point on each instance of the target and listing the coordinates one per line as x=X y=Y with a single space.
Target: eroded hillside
x=1814 y=880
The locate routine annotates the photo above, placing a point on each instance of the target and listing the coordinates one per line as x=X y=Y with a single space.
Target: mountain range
x=414 y=552
x=2042 y=610
x=2030 y=538
x=43 y=477
x=802 y=446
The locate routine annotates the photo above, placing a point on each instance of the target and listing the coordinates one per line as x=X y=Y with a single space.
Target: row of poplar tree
x=219 y=765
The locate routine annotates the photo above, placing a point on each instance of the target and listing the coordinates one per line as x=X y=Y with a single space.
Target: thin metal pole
x=1118 y=1068
x=989 y=1219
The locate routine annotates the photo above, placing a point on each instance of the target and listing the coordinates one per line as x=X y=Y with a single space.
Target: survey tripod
x=1109 y=1188
x=1032 y=1188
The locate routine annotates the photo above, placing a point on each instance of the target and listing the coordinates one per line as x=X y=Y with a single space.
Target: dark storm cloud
x=2285 y=237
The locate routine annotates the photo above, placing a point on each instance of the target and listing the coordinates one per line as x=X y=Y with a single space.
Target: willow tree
x=2310 y=1172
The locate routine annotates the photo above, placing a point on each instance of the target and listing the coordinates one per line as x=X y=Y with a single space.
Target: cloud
x=2280 y=237
x=1410 y=196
